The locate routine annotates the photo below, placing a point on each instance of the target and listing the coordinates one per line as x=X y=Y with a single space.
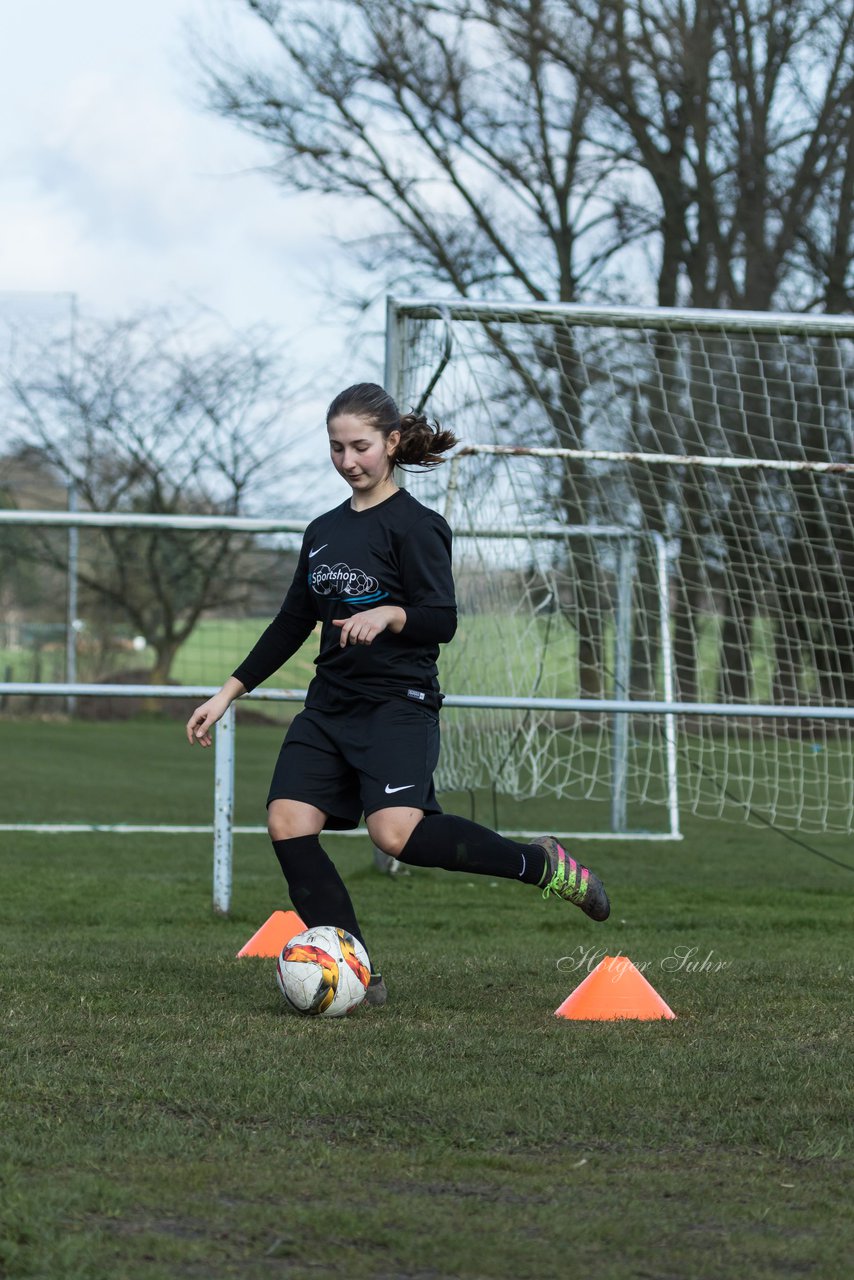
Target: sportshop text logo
x=340 y=582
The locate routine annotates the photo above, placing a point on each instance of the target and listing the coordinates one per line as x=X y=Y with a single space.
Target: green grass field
x=163 y=1117
x=543 y=654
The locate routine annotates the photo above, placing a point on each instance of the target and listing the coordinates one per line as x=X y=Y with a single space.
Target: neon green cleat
x=567 y=879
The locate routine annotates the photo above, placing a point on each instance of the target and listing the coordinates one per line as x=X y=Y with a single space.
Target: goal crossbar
x=666 y=319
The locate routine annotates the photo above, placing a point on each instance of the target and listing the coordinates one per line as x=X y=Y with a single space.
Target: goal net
x=648 y=506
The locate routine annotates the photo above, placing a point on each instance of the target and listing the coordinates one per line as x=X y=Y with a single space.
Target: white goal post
x=728 y=437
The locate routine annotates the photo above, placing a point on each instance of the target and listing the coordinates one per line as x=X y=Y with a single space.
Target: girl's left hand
x=363 y=628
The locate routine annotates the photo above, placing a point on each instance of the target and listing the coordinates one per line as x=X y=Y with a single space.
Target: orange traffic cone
x=273 y=934
x=615 y=989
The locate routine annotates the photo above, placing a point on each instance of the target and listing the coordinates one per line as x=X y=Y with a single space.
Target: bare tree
x=150 y=419
x=452 y=119
x=740 y=114
x=527 y=148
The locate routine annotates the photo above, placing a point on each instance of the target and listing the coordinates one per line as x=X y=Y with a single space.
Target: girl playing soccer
x=376 y=572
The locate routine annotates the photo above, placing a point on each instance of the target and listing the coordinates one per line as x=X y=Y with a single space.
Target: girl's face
x=361 y=453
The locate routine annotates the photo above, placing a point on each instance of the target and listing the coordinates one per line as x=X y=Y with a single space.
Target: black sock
x=455 y=844
x=317 y=891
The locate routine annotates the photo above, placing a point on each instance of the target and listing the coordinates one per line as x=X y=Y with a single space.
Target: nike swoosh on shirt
x=391 y=790
x=317 y=550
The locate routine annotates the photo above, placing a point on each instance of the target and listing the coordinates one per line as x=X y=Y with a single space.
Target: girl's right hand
x=205 y=717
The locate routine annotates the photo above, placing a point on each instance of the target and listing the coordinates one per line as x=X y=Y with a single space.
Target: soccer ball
x=323 y=971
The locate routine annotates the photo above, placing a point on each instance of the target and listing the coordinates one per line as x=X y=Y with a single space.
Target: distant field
x=162 y=1117
x=540 y=653
x=211 y=653
x=215 y=648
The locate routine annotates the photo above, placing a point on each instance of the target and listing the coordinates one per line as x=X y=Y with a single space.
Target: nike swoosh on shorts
x=391 y=790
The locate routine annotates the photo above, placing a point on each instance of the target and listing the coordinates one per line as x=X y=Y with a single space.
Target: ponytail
x=422 y=442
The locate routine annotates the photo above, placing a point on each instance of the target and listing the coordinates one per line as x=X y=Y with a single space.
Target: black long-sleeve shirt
x=396 y=553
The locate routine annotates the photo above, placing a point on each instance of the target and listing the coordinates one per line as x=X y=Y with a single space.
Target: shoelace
x=561 y=878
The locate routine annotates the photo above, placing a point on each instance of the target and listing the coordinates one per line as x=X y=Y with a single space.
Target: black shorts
x=346 y=764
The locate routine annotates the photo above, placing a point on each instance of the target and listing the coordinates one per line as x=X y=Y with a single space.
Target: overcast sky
x=116 y=186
